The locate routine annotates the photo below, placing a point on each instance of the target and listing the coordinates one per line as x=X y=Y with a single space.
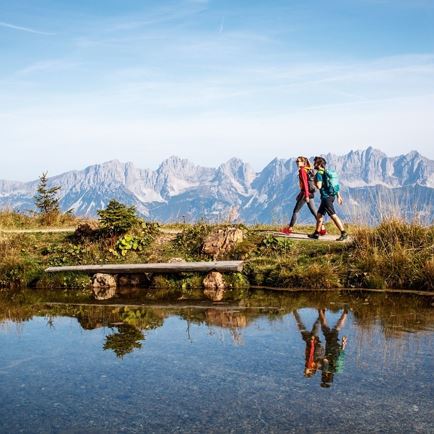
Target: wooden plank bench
x=159 y=267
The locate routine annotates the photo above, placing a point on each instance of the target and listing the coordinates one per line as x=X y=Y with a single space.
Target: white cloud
x=25 y=29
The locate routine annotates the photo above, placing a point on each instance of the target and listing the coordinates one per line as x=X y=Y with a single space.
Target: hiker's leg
x=298 y=205
x=341 y=321
x=337 y=221
x=319 y=222
x=315 y=327
x=330 y=210
x=299 y=322
x=311 y=205
x=322 y=318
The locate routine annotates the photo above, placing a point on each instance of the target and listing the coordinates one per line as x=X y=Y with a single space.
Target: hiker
x=314 y=350
x=327 y=183
x=333 y=360
x=306 y=178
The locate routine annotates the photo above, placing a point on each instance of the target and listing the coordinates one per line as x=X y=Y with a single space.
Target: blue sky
x=85 y=81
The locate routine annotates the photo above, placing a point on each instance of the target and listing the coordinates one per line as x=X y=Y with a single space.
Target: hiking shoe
x=343 y=237
x=323 y=232
x=314 y=236
x=286 y=230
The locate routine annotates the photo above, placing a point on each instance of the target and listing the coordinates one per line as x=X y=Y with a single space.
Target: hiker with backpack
x=333 y=361
x=306 y=178
x=327 y=182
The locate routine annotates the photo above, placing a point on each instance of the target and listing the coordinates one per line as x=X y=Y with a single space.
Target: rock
x=104 y=286
x=222 y=241
x=215 y=287
x=130 y=280
x=129 y=284
x=86 y=230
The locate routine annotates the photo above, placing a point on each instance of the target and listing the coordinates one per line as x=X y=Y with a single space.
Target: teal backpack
x=331 y=181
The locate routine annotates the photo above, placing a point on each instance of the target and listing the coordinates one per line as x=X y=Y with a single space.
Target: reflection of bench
x=160 y=267
x=112 y=279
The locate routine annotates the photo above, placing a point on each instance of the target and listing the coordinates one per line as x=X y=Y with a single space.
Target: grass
x=15 y=220
x=393 y=255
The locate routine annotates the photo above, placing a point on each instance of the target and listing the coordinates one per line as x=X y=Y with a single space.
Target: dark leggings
x=298 y=205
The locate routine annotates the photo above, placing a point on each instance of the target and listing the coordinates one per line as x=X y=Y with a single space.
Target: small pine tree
x=117 y=218
x=46 y=199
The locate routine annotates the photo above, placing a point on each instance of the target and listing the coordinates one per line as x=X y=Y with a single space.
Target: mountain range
x=374 y=186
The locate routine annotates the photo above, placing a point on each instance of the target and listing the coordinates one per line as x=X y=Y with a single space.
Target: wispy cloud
x=47 y=65
x=25 y=29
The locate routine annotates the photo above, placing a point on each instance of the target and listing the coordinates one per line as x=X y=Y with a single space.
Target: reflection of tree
x=124 y=341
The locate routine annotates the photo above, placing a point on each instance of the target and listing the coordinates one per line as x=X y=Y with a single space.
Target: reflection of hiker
x=306 y=178
x=334 y=351
x=314 y=350
x=327 y=183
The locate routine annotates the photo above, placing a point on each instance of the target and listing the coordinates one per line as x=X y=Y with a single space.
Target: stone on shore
x=215 y=287
x=104 y=286
x=222 y=241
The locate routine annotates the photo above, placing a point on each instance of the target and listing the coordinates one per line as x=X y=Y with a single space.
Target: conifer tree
x=117 y=218
x=46 y=199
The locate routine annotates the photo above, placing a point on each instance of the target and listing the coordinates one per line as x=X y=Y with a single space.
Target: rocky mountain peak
x=179 y=187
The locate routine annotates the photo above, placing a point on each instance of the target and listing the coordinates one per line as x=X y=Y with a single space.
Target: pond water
x=289 y=363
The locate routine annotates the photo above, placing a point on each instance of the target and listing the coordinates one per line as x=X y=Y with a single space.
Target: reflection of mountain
x=374 y=185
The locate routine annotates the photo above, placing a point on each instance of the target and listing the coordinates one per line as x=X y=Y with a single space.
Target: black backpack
x=311 y=180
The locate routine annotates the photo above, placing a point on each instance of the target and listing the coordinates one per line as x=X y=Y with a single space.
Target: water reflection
x=252 y=366
x=324 y=347
x=124 y=341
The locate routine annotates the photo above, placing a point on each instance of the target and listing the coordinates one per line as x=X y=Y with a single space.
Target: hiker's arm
x=340 y=199
x=318 y=181
x=305 y=185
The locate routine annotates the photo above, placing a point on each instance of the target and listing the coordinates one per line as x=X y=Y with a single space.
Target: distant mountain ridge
x=374 y=186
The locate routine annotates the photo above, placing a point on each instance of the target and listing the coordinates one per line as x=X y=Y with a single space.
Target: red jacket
x=302 y=177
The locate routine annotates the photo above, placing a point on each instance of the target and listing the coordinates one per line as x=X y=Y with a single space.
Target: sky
x=83 y=82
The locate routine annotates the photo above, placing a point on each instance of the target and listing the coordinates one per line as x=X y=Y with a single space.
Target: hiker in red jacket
x=306 y=177
x=314 y=351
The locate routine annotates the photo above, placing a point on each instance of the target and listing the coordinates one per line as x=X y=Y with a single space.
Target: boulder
x=222 y=241
x=129 y=284
x=86 y=230
x=130 y=280
x=104 y=286
x=215 y=287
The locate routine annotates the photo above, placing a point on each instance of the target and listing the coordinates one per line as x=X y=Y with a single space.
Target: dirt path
x=57 y=230
x=36 y=231
x=304 y=237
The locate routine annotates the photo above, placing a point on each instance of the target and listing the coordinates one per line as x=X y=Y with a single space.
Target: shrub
x=191 y=238
x=117 y=218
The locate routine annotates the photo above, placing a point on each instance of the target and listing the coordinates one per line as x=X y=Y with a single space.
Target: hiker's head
x=326 y=379
x=302 y=161
x=309 y=371
x=319 y=163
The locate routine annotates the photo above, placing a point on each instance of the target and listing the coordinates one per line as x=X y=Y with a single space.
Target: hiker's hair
x=320 y=160
x=305 y=161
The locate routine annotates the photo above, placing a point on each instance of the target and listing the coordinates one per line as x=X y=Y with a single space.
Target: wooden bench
x=158 y=267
